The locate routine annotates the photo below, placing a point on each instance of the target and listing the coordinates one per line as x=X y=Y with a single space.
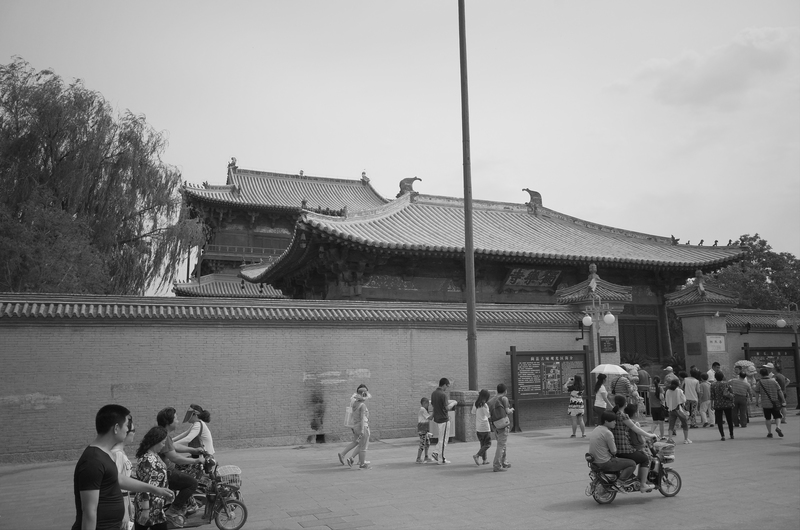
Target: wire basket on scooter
x=231 y=475
x=666 y=450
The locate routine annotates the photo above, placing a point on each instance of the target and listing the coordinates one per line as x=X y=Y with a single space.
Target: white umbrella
x=609 y=369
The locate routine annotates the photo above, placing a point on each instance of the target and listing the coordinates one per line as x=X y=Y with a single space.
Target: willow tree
x=86 y=202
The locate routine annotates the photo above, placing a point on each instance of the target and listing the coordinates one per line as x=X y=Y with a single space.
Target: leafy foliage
x=636 y=358
x=87 y=204
x=764 y=279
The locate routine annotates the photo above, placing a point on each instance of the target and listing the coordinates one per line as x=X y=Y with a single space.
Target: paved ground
x=746 y=483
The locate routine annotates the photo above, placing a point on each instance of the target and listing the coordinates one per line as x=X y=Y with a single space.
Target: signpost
x=540 y=376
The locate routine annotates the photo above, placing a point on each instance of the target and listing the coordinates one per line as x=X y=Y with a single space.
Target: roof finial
x=301 y=173
x=232 y=163
x=407 y=185
x=364 y=177
x=536 y=197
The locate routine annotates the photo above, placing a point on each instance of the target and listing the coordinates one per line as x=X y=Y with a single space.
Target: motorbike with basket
x=605 y=485
x=218 y=493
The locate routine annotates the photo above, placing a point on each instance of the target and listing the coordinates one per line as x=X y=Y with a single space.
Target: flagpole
x=469 y=250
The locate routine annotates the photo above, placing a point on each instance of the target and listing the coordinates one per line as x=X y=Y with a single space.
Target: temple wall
x=264 y=384
x=265 y=381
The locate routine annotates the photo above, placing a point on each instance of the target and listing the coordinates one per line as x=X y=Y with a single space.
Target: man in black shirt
x=441 y=419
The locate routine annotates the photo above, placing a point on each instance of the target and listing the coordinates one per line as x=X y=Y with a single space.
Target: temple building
x=315 y=238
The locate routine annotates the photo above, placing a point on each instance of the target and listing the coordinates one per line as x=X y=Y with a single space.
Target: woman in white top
x=481 y=410
x=124 y=467
x=601 y=401
x=198 y=435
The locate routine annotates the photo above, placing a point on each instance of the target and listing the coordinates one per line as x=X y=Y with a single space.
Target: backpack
x=348 y=416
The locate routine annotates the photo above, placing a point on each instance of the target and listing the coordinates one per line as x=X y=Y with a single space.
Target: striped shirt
x=741 y=387
x=773 y=395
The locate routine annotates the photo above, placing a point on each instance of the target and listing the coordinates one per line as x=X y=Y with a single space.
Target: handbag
x=727 y=392
x=774 y=405
x=502 y=423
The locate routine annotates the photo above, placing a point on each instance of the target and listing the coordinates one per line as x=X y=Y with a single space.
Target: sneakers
x=365 y=465
x=506 y=465
x=475 y=458
x=341 y=458
x=687 y=441
x=780 y=432
x=583 y=436
x=175 y=518
x=663 y=439
x=722 y=439
x=427 y=460
x=705 y=424
x=499 y=469
x=646 y=487
x=731 y=437
x=435 y=456
x=350 y=462
x=769 y=435
x=485 y=462
x=444 y=461
x=572 y=436
x=419 y=461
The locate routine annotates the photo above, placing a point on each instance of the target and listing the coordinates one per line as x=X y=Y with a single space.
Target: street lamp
x=597 y=311
x=792 y=318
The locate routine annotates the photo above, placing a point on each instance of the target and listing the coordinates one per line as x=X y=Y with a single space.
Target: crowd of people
x=104 y=478
x=617 y=442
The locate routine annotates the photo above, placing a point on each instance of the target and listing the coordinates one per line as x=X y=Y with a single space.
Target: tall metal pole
x=469 y=249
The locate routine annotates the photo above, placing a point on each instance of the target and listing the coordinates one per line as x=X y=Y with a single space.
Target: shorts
x=658 y=414
x=772 y=413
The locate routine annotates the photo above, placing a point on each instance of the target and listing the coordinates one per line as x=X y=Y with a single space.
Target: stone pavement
x=741 y=483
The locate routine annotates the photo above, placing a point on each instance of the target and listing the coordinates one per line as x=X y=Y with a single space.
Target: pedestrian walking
x=657 y=406
x=601 y=401
x=771 y=399
x=722 y=397
x=499 y=410
x=482 y=428
x=674 y=398
x=361 y=426
x=742 y=395
x=343 y=458
x=576 y=409
x=704 y=400
x=441 y=419
x=423 y=430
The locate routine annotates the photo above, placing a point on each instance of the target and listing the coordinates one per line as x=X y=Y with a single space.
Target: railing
x=230 y=250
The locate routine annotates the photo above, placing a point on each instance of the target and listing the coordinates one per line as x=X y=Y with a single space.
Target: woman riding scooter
x=625 y=448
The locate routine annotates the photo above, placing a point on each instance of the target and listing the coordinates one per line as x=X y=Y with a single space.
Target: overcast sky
x=669 y=117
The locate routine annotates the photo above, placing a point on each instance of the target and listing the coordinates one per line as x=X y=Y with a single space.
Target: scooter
x=605 y=485
x=218 y=493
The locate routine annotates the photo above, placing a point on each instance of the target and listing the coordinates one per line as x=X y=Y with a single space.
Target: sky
x=671 y=118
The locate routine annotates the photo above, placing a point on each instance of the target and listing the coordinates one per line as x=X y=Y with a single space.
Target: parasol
x=609 y=369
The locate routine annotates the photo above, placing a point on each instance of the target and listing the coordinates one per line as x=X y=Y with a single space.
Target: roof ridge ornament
x=407 y=185
x=535 y=203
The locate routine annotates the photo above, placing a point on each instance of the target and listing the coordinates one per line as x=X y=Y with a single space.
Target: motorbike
x=605 y=485
x=218 y=493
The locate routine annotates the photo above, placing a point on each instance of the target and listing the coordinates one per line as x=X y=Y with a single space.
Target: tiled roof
x=260 y=190
x=698 y=293
x=15 y=306
x=434 y=226
x=225 y=286
x=757 y=318
x=582 y=292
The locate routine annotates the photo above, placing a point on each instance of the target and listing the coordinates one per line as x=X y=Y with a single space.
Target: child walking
x=423 y=430
x=481 y=410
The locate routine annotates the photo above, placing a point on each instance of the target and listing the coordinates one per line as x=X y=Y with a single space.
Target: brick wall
x=264 y=383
